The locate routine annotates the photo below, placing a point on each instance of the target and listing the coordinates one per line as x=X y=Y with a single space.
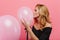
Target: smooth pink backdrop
x=10 y=7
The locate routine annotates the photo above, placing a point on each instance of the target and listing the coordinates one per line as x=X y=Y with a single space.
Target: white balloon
x=26 y=14
x=9 y=28
x=7 y=22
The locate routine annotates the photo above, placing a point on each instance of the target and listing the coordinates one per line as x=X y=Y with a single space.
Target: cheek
x=35 y=15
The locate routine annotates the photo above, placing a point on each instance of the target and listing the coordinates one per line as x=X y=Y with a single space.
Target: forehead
x=40 y=8
x=37 y=7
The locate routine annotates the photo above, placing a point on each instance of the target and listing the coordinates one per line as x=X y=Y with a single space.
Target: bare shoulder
x=48 y=25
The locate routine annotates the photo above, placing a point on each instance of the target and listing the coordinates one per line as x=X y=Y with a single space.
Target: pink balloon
x=9 y=28
x=26 y=14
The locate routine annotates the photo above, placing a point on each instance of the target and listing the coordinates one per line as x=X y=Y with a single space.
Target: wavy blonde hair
x=45 y=16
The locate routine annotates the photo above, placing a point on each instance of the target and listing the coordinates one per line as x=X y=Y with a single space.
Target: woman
x=42 y=26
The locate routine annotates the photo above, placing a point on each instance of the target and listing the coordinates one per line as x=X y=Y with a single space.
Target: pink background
x=10 y=7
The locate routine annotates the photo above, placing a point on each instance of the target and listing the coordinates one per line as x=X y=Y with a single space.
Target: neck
x=39 y=25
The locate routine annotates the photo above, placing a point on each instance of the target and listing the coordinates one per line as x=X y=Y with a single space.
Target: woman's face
x=38 y=14
x=38 y=11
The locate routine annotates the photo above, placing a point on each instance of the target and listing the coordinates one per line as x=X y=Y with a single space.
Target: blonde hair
x=46 y=12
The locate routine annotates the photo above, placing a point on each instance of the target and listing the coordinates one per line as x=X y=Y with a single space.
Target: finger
x=22 y=21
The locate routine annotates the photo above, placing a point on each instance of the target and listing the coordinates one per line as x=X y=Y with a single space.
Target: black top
x=42 y=34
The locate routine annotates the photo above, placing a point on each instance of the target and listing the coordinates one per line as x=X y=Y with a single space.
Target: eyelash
x=35 y=10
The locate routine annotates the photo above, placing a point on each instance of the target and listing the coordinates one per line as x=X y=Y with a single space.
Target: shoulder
x=48 y=25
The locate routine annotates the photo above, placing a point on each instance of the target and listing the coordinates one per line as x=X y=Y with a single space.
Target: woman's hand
x=24 y=23
x=32 y=35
